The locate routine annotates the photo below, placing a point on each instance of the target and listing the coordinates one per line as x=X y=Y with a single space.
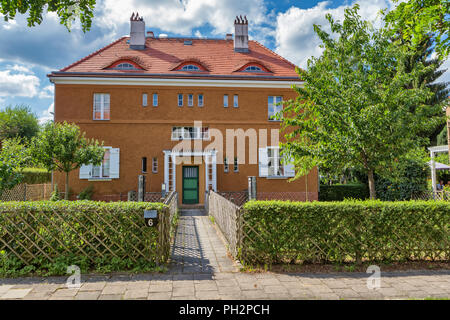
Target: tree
x=67 y=10
x=416 y=20
x=355 y=109
x=62 y=147
x=18 y=122
x=13 y=157
x=442 y=138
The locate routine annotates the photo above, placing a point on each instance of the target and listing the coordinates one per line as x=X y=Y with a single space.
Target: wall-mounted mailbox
x=151 y=218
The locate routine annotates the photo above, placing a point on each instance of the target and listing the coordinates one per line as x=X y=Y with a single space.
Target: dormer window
x=253 y=69
x=125 y=66
x=190 y=67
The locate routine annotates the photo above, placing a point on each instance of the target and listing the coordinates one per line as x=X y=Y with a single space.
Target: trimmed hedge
x=339 y=192
x=350 y=231
x=36 y=176
x=45 y=237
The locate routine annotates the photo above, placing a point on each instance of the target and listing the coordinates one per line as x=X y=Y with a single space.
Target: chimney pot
x=229 y=36
x=137 y=32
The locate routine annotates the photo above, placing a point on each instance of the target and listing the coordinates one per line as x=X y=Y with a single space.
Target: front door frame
x=198 y=184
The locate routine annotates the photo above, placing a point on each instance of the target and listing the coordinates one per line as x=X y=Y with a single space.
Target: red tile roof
x=162 y=56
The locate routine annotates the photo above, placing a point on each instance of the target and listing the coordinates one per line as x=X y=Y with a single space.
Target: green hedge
x=36 y=176
x=339 y=192
x=45 y=237
x=350 y=231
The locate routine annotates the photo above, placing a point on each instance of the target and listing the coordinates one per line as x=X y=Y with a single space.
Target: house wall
x=146 y=131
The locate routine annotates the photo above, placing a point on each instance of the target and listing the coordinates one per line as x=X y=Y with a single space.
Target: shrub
x=55 y=196
x=45 y=237
x=36 y=176
x=339 y=192
x=349 y=231
x=87 y=193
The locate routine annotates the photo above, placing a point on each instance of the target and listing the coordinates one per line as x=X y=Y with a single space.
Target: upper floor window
x=236 y=101
x=190 y=100
x=253 y=69
x=125 y=66
x=101 y=106
x=200 y=100
x=275 y=106
x=225 y=101
x=144 y=100
x=190 y=67
x=190 y=133
x=180 y=100
x=155 y=99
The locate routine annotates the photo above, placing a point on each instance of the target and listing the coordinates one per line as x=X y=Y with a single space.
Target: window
x=271 y=164
x=190 y=133
x=274 y=162
x=190 y=100
x=236 y=101
x=125 y=66
x=155 y=99
x=275 y=105
x=144 y=165
x=236 y=165
x=200 y=100
x=190 y=67
x=101 y=106
x=144 y=100
x=226 y=166
x=155 y=165
x=180 y=100
x=225 y=101
x=102 y=171
x=253 y=69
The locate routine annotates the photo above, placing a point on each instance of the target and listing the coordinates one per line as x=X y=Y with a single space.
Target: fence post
x=252 y=188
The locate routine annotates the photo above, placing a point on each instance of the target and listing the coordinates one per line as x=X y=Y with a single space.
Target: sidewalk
x=202 y=270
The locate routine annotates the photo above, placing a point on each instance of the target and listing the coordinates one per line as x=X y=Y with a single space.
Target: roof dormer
x=125 y=64
x=191 y=66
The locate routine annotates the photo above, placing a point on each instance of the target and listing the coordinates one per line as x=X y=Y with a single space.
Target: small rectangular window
x=155 y=165
x=236 y=101
x=155 y=99
x=200 y=100
x=236 y=164
x=102 y=171
x=180 y=100
x=275 y=105
x=101 y=106
x=190 y=100
x=225 y=101
x=144 y=100
x=226 y=167
x=144 y=165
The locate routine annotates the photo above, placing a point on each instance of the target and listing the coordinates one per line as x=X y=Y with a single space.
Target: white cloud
x=47 y=92
x=295 y=37
x=18 y=84
x=47 y=114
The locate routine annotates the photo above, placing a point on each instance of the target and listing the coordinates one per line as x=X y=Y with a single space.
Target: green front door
x=190 y=185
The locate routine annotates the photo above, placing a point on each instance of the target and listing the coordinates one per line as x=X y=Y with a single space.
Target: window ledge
x=277 y=177
x=99 y=179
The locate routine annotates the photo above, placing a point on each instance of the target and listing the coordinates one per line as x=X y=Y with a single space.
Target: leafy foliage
x=349 y=231
x=13 y=157
x=67 y=10
x=36 y=176
x=339 y=192
x=62 y=147
x=18 y=122
x=419 y=19
x=96 y=236
x=55 y=194
x=356 y=109
x=86 y=194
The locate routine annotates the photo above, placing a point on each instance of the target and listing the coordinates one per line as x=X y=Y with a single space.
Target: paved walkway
x=202 y=270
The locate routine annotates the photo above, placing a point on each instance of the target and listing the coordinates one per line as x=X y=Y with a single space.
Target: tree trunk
x=373 y=194
x=66 y=194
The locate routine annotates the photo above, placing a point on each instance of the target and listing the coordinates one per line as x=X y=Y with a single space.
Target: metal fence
x=27 y=192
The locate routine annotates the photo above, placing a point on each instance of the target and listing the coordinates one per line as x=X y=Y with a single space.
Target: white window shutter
x=263 y=163
x=85 y=171
x=114 y=163
x=289 y=169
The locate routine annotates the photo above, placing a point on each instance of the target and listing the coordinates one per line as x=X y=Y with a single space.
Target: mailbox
x=151 y=218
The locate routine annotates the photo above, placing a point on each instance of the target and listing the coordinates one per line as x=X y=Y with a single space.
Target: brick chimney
x=241 y=34
x=137 y=32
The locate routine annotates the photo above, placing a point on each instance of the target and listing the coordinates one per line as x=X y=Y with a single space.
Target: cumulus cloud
x=295 y=37
x=47 y=115
x=47 y=92
x=18 y=84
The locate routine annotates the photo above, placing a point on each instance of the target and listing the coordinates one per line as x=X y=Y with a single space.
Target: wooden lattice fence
x=27 y=192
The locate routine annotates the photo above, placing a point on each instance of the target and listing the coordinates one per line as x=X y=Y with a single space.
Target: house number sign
x=151 y=218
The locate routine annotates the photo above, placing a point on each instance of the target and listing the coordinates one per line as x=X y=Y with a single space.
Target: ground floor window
x=102 y=171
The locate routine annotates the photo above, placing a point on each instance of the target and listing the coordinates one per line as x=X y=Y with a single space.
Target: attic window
x=125 y=66
x=190 y=67
x=253 y=69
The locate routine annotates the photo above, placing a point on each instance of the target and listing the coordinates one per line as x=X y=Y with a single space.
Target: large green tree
x=62 y=147
x=417 y=20
x=356 y=109
x=67 y=10
x=13 y=158
x=18 y=122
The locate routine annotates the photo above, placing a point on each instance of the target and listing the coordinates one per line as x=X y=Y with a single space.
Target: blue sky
x=27 y=55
